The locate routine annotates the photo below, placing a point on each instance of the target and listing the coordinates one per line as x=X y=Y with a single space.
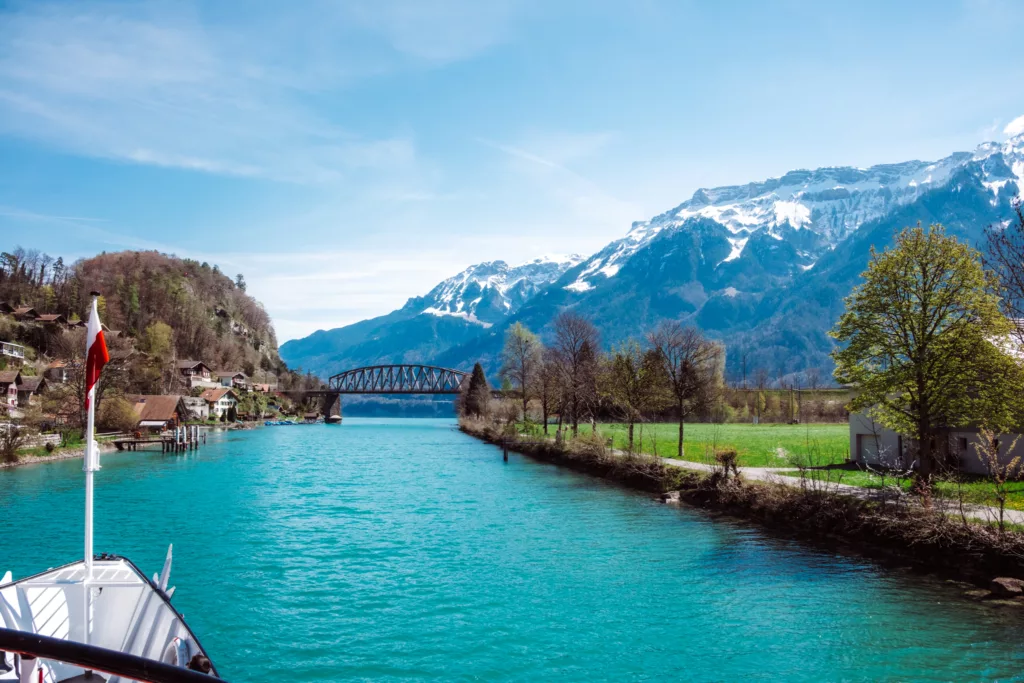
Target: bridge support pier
x=331 y=408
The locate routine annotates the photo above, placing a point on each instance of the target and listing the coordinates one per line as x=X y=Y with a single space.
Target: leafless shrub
x=12 y=438
x=1000 y=473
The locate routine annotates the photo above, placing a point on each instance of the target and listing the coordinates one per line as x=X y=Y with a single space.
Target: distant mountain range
x=764 y=267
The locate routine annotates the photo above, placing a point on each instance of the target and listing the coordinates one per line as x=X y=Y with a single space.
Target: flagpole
x=90 y=465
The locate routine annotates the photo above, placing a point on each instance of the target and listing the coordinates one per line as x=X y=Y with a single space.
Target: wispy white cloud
x=1015 y=127
x=547 y=159
x=27 y=215
x=165 y=84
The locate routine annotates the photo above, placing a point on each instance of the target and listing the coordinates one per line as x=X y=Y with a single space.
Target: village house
x=234 y=378
x=198 y=408
x=12 y=350
x=10 y=380
x=25 y=313
x=52 y=319
x=30 y=390
x=196 y=373
x=193 y=368
x=872 y=445
x=159 y=413
x=220 y=401
x=58 y=372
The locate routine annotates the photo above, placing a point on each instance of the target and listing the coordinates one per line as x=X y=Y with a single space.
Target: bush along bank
x=909 y=534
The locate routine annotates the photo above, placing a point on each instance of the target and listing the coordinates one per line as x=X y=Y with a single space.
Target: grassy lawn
x=977 y=490
x=757 y=445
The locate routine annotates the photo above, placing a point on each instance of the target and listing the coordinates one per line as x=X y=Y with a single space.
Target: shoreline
x=69 y=454
x=921 y=539
x=72 y=454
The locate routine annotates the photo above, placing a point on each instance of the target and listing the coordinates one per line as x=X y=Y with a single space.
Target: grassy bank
x=907 y=533
x=763 y=445
x=977 y=490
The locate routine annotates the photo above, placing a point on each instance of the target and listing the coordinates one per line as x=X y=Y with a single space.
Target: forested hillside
x=163 y=305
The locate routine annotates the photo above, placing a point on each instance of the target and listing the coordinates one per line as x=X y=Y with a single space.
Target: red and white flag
x=96 y=354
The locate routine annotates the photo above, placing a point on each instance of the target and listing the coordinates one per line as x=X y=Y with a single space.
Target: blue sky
x=347 y=155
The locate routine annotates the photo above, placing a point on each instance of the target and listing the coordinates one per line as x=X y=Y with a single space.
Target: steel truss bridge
x=398 y=379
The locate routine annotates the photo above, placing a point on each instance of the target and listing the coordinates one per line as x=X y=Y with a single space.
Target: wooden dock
x=178 y=440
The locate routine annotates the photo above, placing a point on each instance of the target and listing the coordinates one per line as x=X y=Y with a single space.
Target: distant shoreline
x=68 y=454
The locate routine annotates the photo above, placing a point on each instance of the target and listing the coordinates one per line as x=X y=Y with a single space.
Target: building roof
x=57 y=364
x=231 y=373
x=52 y=318
x=25 y=310
x=6 y=307
x=10 y=376
x=32 y=384
x=189 y=364
x=214 y=395
x=155 y=408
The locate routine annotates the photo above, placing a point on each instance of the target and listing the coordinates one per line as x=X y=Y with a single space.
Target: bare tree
x=692 y=365
x=761 y=379
x=550 y=388
x=521 y=360
x=1004 y=255
x=575 y=353
x=636 y=382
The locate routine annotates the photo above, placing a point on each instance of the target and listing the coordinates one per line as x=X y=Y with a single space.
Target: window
x=962 y=444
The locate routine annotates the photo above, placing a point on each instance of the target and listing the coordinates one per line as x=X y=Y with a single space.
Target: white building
x=874 y=445
x=220 y=401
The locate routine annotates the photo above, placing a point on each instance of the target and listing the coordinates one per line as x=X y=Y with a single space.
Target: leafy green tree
x=478 y=393
x=521 y=360
x=636 y=383
x=923 y=342
x=118 y=413
x=158 y=340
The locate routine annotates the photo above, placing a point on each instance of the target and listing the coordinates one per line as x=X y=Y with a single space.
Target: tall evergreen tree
x=478 y=393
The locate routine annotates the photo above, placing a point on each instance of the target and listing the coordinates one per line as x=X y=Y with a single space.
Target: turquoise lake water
x=404 y=550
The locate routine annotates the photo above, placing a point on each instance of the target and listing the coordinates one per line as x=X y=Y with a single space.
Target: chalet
x=194 y=368
x=234 y=378
x=262 y=388
x=58 y=372
x=12 y=350
x=10 y=380
x=31 y=390
x=25 y=313
x=158 y=413
x=220 y=401
x=52 y=319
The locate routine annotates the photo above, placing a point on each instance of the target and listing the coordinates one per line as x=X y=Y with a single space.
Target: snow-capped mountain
x=489 y=292
x=453 y=312
x=814 y=210
x=764 y=267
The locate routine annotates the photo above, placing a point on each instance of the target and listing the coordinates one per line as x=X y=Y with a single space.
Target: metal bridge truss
x=398 y=379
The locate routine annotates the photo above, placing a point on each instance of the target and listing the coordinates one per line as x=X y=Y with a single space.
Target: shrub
x=118 y=414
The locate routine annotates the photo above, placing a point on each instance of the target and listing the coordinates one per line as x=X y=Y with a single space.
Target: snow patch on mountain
x=487 y=292
x=830 y=202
